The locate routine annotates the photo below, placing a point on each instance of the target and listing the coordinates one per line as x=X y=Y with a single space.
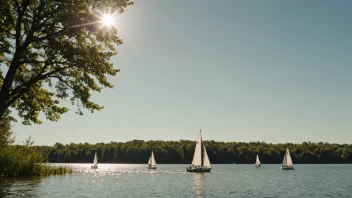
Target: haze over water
x=126 y=180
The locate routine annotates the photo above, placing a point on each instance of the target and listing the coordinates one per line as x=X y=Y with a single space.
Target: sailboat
x=200 y=162
x=95 y=163
x=287 y=162
x=151 y=162
x=257 y=162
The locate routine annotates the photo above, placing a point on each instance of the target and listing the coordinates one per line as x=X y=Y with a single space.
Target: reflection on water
x=21 y=187
x=127 y=180
x=198 y=181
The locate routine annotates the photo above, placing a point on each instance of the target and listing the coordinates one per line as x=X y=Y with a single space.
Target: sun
x=108 y=20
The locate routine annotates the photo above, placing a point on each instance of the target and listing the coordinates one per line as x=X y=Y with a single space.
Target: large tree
x=53 y=51
x=5 y=131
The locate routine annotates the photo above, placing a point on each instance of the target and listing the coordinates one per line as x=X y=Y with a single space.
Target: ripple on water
x=123 y=180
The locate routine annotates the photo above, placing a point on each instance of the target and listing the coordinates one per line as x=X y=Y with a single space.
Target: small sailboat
x=95 y=163
x=200 y=162
x=257 y=162
x=151 y=162
x=287 y=162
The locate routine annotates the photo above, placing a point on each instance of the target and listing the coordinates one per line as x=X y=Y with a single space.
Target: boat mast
x=286 y=156
x=202 y=150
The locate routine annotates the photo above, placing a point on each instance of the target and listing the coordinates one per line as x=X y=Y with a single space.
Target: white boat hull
x=94 y=166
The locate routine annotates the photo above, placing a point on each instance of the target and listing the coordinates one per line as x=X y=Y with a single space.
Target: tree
x=53 y=50
x=137 y=151
x=5 y=131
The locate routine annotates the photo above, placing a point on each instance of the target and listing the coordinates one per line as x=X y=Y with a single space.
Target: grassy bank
x=25 y=160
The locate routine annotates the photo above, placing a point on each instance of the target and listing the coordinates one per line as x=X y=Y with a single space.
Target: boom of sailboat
x=201 y=162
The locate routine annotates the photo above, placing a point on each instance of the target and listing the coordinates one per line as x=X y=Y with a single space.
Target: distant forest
x=181 y=152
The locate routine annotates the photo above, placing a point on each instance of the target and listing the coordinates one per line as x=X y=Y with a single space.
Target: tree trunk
x=7 y=83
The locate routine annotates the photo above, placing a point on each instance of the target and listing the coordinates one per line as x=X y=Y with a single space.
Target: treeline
x=181 y=152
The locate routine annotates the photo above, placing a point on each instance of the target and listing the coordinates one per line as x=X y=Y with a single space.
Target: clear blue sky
x=274 y=71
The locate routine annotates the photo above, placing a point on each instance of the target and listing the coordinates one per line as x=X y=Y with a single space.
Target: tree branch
x=62 y=80
x=17 y=5
x=20 y=92
x=24 y=86
x=18 y=26
x=58 y=70
x=38 y=77
x=43 y=24
x=10 y=75
x=33 y=80
x=16 y=97
x=40 y=39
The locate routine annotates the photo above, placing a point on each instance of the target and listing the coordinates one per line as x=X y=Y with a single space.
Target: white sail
x=206 y=162
x=287 y=162
x=197 y=157
x=151 y=161
x=284 y=161
x=95 y=159
x=288 y=158
x=257 y=162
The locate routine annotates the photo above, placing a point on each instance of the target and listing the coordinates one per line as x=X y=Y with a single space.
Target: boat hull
x=287 y=168
x=257 y=166
x=199 y=170
x=94 y=167
x=150 y=167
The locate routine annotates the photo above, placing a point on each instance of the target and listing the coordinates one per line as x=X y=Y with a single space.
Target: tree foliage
x=138 y=151
x=54 y=50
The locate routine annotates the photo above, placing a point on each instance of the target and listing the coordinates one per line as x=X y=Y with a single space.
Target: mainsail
x=200 y=157
x=288 y=158
x=197 y=157
x=287 y=162
x=95 y=159
x=151 y=161
x=257 y=162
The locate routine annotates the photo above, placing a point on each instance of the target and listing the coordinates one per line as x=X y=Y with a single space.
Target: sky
x=274 y=71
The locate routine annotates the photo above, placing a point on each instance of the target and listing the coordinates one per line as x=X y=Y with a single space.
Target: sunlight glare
x=107 y=20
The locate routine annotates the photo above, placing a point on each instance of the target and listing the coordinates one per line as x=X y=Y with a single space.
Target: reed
x=48 y=169
x=25 y=160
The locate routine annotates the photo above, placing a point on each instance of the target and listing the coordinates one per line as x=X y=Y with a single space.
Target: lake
x=230 y=180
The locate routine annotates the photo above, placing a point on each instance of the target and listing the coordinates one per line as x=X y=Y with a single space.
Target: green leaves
x=54 y=51
x=138 y=151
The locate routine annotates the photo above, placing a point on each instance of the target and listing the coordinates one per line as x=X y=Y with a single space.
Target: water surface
x=127 y=180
